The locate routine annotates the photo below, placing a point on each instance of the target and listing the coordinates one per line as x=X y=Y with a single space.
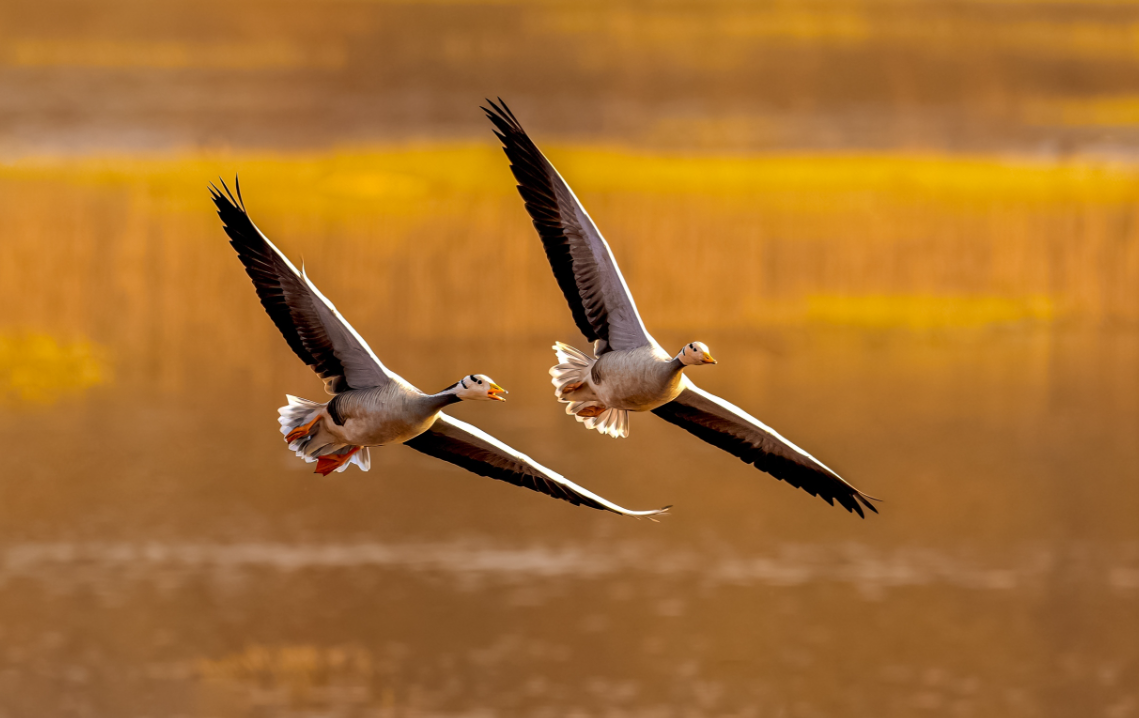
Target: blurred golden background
x=908 y=230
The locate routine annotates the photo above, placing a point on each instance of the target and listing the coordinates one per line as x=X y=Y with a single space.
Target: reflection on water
x=69 y=564
x=956 y=336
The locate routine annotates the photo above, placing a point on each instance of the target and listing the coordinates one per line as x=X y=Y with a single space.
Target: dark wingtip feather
x=535 y=178
x=509 y=112
x=237 y=203
x=502 y=116
x=237 y=184
x=695 y=413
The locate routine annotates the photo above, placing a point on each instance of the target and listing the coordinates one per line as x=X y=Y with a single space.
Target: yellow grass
x=168 y=55
x=921 y=312
x=1111 y=111
x=402 y=179
x=432 y=241
x=846 y=22
x=299 y=672
x=41 y=369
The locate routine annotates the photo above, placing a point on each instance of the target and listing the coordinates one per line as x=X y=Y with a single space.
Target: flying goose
x=629 y=371
x=370 y=405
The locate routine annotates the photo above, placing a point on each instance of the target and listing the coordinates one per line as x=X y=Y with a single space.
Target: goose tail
x=570 y=377
x=300 y=425
x=571 y=372
x=610 y=422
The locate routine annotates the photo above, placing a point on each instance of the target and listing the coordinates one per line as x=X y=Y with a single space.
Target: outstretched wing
x=734 y=430
x=467 y=446
x=310 y=324
x=584 y=266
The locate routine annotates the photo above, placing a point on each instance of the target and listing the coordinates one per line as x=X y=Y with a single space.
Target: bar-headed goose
x=370 y=405
x=629 y=371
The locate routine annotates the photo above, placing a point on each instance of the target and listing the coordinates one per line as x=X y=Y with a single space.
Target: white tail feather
x=572 y=369
x=299 y=412
x=361 y=458
x=611 y=422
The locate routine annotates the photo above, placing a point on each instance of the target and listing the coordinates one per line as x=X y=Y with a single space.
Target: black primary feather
x=697 y=413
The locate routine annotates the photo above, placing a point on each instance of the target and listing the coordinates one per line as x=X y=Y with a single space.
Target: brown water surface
x=908 y=231
x=163 y=554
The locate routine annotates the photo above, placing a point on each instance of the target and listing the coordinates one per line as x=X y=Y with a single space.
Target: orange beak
x=708 y=359
x=495 y=391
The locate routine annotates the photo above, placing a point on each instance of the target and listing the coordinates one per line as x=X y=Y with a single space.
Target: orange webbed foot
x=325 y=465
x=301 y=431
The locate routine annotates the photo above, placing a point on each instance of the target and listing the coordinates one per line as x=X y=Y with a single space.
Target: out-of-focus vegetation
x=1039 y=78
x=41 y=369
x=927 y=312
x=908 y=228
x=295 y=673
x=888 y=240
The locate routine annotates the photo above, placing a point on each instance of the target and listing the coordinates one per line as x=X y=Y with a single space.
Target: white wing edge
x=547 y=473
x=748 y=418
x=344 y=322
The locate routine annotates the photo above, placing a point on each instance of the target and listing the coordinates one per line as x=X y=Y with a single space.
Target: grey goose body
x=378 y=416
x=371 y=406
x=629 y=371
x=639 y=379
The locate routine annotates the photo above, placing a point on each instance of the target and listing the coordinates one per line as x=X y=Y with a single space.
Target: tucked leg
x=325 y=465
x=302 y=431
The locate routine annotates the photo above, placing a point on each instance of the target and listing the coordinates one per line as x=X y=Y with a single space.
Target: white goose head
x=695 y=353
x=479 y=387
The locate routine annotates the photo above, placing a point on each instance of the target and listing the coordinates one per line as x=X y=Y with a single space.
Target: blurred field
x=909 y=231
x=723 y=76
x=884 y=241
x=956 y=333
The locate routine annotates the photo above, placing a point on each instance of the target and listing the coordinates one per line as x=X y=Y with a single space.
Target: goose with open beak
x=372 y=406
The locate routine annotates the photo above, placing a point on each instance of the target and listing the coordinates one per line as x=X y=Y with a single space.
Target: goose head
x=694 y=354
x=479 y=387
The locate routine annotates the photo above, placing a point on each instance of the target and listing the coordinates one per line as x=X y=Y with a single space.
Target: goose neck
x=443 y=399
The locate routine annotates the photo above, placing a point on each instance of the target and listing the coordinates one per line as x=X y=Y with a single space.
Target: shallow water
x=909 y=235
x=163 y=554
